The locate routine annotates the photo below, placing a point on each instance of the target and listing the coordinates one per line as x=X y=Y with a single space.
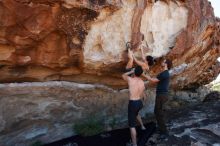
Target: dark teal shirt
x=163 y=84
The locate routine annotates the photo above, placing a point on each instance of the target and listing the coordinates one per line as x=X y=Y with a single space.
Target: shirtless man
x=136 y=89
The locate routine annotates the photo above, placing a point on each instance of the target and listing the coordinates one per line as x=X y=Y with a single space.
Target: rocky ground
x=196 y=125
x=193 y=125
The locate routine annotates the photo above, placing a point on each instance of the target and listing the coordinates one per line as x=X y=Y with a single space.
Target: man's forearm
x=142 y=53
x=129 y=72
x=155 y=80
x=146 y=76
x=130 y=63
x=137 y=61
x=125 y=75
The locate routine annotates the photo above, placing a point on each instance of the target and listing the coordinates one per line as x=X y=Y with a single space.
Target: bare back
x=136 y=88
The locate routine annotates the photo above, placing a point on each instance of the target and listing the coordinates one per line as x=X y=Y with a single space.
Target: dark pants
x=159 y=112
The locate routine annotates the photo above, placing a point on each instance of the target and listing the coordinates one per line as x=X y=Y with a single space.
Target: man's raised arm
x=140 y=63
x=130 y=61
x=125 y=76
x=154 y=80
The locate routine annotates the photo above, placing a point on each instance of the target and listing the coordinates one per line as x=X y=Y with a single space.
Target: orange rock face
x=84 y=41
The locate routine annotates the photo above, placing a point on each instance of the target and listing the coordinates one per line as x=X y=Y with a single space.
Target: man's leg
x=158 y=110
x=133 y=136
x=140 y=121
x=132 y=114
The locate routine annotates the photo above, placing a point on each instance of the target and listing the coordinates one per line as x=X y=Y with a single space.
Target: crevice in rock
x=136 y=36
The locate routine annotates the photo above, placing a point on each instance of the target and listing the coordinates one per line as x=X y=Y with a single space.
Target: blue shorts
x=134 y=106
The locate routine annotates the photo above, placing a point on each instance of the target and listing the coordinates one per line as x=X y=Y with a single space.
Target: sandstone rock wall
x=84 y=41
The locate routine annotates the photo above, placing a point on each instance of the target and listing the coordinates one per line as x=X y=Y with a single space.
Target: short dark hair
x=169 y=64
x=138 y=71
x=150 y=60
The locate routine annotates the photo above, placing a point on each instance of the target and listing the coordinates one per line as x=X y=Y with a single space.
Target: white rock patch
x=161 y=24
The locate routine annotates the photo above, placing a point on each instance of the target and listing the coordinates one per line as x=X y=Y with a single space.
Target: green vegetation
x=37 y=143
x=90 y=127
x=113 y=122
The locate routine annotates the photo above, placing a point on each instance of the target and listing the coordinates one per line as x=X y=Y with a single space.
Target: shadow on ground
x=194 y=125
x=118 y=137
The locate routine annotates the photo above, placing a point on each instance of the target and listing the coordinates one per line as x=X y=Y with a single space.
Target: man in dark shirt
x=163 y=84
x=162 y=81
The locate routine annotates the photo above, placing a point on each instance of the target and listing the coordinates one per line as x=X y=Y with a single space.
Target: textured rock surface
x=197 y=125
x=84 y=41
x=47 y=111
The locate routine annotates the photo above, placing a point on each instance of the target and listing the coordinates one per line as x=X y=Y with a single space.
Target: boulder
x=84 y=41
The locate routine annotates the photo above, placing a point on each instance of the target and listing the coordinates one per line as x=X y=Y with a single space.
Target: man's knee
x=138 y=116
x=133 y=130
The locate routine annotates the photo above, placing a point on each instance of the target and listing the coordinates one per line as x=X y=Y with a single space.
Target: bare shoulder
x=129 y=79
x=142 y=83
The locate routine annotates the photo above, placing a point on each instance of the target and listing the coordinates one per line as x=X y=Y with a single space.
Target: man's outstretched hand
x=130 y=54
